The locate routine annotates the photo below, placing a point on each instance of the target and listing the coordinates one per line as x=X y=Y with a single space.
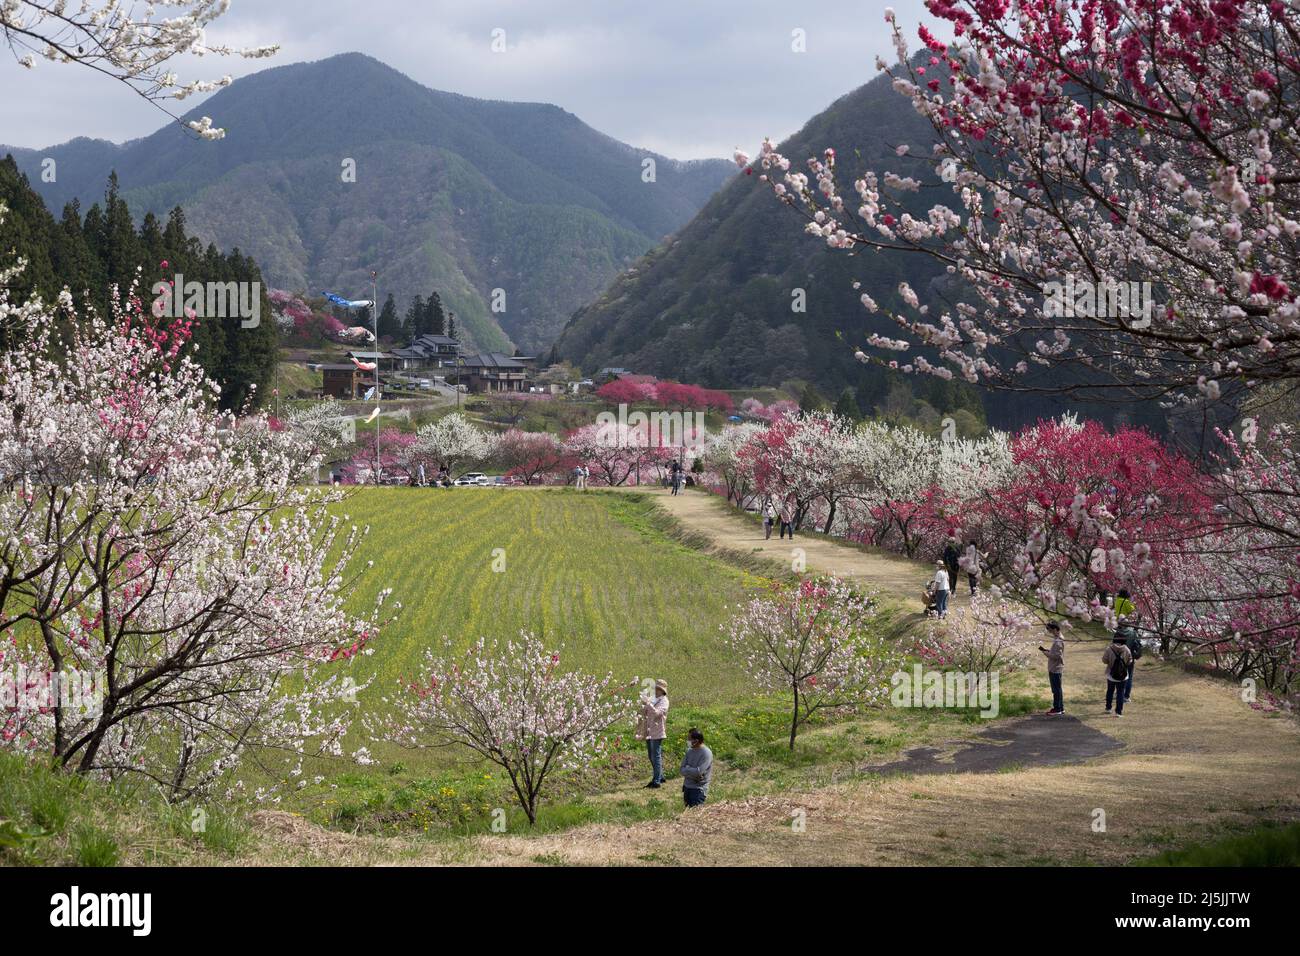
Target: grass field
x=602 y=574
x=598 y=573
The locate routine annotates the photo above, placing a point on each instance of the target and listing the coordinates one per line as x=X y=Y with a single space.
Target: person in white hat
x=653 y=729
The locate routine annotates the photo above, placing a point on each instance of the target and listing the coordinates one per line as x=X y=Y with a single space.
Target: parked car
x=476 y=478
x=424 y=383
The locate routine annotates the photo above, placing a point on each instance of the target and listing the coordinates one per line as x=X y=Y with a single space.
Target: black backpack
x=1118 y=669
x=1131 y=641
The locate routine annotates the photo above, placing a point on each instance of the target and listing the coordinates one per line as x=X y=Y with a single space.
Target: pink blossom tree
x=530 y=456
x=511 y=703
x=1092 y=143
x=985 y=636
x=813 y=640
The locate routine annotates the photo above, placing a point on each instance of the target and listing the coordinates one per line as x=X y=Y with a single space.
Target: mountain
x=451 y=193
x=714 y=303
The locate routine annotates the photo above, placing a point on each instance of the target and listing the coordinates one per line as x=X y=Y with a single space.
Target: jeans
x=973 y=581
x=655 y=748
x=1128 y=685
x=693 y=796
x=767 y=527
x=1058 y=697
x=941 y=602
x=1111 y=685
x=787 y=526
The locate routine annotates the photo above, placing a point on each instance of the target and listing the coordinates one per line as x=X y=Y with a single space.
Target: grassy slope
x=619 y=583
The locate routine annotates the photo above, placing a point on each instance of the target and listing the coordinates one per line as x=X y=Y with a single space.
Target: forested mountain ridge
x=450 y=192
x=716 y=303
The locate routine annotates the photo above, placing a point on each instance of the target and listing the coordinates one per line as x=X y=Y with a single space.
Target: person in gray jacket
x=1055 y=667
x=697 y=768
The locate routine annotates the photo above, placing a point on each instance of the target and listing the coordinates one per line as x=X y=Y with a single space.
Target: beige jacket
x=1108 y=657
x=654 y=719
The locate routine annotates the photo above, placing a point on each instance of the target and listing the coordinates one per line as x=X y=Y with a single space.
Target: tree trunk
x=794 y=718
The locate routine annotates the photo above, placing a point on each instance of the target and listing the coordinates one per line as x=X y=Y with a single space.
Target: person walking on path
x=1055 y=668
x=787 y=519
x=677 y=474
x=1119 y=665
x=973 y=559
x=941 y=588
x=653 y=729
x=1124 y=606
x=697 y=769
x=1134 y=644
x=769 y=518
x=950 y=557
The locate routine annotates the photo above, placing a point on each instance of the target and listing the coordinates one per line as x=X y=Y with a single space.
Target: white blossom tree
x=170 y=551
x=985 y=636
x=453 y=442
x=511 y=703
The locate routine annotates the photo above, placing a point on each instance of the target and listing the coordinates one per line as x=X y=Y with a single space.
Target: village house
x=345 y=381
x=492 y=372
x=428 y=351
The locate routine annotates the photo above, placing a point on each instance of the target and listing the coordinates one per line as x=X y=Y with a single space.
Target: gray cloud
x=687 y=78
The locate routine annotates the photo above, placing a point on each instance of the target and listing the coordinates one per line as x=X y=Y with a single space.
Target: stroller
x=928 y=600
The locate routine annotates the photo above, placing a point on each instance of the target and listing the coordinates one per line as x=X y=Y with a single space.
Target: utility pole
x=374 y=315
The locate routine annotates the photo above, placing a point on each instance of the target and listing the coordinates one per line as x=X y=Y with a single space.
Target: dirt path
x=1187 y=759
x=709 y=515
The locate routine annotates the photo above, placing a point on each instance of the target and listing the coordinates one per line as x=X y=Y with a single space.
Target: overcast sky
x=687 y=78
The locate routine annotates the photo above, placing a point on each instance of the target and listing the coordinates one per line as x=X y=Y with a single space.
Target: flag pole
x=374 y=315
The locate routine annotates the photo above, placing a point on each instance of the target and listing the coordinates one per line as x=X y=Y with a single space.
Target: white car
x=474 y=478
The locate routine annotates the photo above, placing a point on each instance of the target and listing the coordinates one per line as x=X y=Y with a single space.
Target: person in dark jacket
x=1117 y=653
x=950 y=557
x=1134 y=644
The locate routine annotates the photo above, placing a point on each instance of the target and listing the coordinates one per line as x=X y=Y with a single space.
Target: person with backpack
x=1055 y=668
x=1134 y=644
x=1119 y=665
